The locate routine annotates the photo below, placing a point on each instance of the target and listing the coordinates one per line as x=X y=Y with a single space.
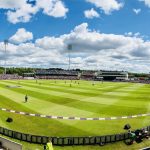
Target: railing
x=66 y=141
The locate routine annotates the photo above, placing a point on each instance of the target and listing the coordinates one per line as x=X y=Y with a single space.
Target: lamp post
x=69 y=48
x=5 y=43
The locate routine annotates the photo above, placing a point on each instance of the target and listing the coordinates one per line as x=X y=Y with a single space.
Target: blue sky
x=118 y=22
x=42 y=26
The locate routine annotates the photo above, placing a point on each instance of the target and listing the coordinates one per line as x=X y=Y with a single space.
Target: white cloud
x=82 y=28
x=136 y=11
x=22 y=14
x=94 y=50
x=50 y=43
x=18 y=10
x=129 y=34
x=90 y=50
x=137 y=34
x=147 y=2
x=9 y=4
x=107 y=5
x=22 y=11
x=91 y=14
x=59 y=10
x=55 y=8
x=21 y=36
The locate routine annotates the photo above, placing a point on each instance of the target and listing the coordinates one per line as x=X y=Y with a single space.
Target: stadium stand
x=61 y=74
x=9 y=76
x=84 y=74
x=112 y=75
x=88 y=75
x=56 y=74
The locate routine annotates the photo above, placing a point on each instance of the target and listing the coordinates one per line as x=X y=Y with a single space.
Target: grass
x=81 y=100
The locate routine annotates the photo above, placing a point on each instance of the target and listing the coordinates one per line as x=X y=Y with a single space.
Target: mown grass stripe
x=87 y=87
x=102 y=110
x=68 y=89
x=73 y=118
x=89 y=98
x=46 y=103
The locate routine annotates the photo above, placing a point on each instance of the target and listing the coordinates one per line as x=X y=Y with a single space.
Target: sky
x=103 y=34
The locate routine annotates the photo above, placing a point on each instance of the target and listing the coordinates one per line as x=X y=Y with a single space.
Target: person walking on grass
x=26 y=98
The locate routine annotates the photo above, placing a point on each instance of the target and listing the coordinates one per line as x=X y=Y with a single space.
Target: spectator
x=49 y=145
x=132 y=136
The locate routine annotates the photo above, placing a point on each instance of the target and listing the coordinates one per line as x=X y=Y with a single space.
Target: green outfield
x=51 y=97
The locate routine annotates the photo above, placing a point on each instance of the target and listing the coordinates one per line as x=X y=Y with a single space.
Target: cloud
x=129 y=34
x=147 y=2
x=82 y=28
x=21 y=36
x=23 y=10
x=142 y=50
x=18 y=10
x=24 y=14
x=136 y=11
x=137 y=34
x=85 y=40
x=55 y=8
x=91 y=14
x=49 y=43
x=90 y=50
x=107 y=5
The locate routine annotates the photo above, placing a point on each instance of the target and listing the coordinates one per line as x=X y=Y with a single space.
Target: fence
x=66 y=141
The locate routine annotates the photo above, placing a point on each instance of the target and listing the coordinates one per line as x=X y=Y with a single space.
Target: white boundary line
x=73 y=118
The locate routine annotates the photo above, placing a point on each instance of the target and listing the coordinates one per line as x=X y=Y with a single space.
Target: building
x=112 y=75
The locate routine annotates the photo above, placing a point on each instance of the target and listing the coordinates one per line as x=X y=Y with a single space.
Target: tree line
x=18 y=71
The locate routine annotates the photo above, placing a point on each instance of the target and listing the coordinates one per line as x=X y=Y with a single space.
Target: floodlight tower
x=5 y=43
x=69 y=59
